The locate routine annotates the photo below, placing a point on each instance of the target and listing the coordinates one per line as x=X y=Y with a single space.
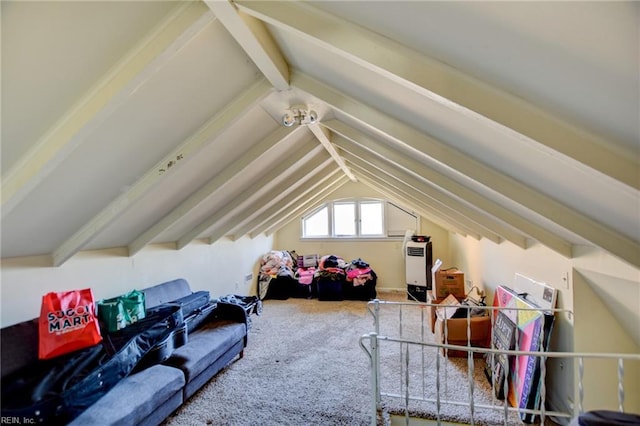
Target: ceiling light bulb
x=312 y=117
x=288 y=119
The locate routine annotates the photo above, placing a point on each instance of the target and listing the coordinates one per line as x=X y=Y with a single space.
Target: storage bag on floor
x=280 y=288
x=329 y=289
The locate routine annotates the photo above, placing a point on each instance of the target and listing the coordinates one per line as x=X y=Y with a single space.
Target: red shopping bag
x=67 y=323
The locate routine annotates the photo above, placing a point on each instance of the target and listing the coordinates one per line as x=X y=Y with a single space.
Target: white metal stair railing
x=371 y=343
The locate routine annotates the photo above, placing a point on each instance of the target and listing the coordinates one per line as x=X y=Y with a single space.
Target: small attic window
x=359 y=218
x=316 y=224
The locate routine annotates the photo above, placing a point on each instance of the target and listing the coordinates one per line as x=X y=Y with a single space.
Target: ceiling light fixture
x=299 y=115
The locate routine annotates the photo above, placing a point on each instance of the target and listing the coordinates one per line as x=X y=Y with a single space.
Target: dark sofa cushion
x=205 y=346
x=196 y=383
x=19 y=346
x=608 y=418
x=150 y=396
x=166 y=292
x=135 y=398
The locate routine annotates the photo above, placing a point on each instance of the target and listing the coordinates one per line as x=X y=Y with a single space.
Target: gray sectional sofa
x=149 y=396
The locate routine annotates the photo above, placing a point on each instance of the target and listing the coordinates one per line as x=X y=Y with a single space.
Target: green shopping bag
x=117 y=313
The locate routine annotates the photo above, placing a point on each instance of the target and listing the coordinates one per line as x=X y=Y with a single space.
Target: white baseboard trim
x=391 y=290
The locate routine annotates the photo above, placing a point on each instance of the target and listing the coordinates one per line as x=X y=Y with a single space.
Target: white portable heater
x=418 y=263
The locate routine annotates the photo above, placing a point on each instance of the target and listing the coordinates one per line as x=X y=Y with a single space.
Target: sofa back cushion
x=166 y=292
x=20 y=341
x=19 y=346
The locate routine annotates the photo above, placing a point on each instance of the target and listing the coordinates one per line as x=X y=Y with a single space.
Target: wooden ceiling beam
x=105 y=97
x=315 y=182
x=425 y=210
x=308 y=153
x=281 y=201
x=472 y=100
x=178 y=157
x=309 y=204
x=216 y=183
x=439 y=203
x=253 y=37
x=244 y=212
x=239 y=209
x=323 y=135
x=385 y=153
x=519 y=193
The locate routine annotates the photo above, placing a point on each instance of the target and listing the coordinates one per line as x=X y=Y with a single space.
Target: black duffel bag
x=197 y=308
x=55 y=391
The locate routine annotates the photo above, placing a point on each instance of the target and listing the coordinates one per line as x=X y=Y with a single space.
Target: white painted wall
x=385 y=257
x=607 y=316
x=583 y=283
x=220 y=268
x=592 y=326
x=589 y=327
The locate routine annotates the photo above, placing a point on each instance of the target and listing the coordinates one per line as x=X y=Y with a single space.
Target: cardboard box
x=307 y=260
x=457 y=334
x=448 y=281
x=431 y=310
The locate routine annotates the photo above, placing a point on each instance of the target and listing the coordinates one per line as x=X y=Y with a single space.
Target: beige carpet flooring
x=304 y=366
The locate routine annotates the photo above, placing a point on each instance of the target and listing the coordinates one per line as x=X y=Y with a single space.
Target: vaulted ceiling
x=128 y=123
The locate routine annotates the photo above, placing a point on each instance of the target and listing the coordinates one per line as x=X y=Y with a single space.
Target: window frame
x=383 y=219
x=332 y=222
x=357 y=202
x=312 y=213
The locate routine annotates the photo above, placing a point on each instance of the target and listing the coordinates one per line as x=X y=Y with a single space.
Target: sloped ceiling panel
x=449 y=207
x=273 y=192
x=196 y=222
x=574 y=61
x=313 y=201
x=622 y=308
x=413 y=204
x=174 y=133
x=449 y=185
x=285 y=174
x=254 y=223
x=194 y=182
x=102 y=99
x=50 y=29
x=439 y=212
x=304 y=33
